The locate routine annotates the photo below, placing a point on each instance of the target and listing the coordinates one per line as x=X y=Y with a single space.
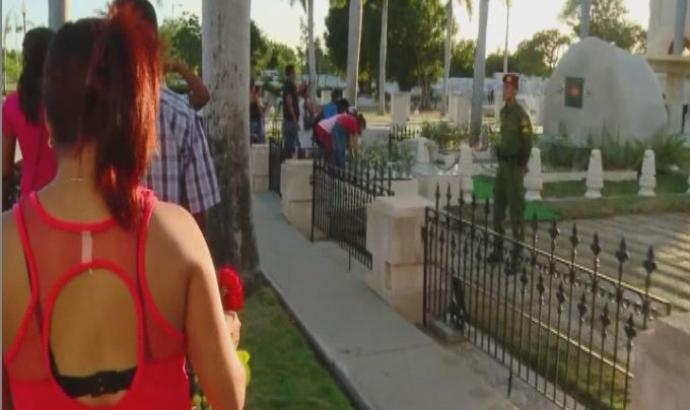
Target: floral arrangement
x=232 y=295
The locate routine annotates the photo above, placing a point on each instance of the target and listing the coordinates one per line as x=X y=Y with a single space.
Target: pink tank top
x=57 y=251
x=38 y=159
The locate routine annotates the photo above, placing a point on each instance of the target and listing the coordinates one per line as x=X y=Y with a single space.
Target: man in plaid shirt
x=181 y=170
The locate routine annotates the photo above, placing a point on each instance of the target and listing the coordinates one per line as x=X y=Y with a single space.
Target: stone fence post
x=296 y=190
x=662 y=365
x=394 y=238
x=258 y=166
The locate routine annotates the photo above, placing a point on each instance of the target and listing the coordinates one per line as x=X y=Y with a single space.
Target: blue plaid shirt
x=182 y=169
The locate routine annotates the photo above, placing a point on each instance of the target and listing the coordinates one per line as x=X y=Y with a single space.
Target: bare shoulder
x=175 y=236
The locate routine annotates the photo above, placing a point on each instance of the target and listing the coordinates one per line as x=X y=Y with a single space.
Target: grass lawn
x=286 y=374
x=565 y=200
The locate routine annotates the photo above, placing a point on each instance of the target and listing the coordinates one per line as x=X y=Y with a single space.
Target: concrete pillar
x=258 y=166
x=400 y=108
x=661 y=365
x=394 y=238
x=675 y=98
x=58 y=13
x=648 y=177
x=534 y=180
x=296 y=190
x=595 y=175
x=679 y=29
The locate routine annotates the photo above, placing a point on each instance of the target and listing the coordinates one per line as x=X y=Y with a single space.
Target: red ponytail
x=121 y=105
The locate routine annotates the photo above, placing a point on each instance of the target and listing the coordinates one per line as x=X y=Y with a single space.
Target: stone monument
x=600 y=90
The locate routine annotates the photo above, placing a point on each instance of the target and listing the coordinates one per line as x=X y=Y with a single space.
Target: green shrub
x=561 y=152
x=447 y=136
x=669 y=151
x=398 y=155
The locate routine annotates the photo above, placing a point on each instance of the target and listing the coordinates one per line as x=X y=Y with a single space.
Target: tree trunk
x=383 y=50
x=354 y=39
x=479 y=71
x=505 y=50
x=584 y=18
x=313 y=80
x=226 y=72
x=447 y=56
x=57 y=13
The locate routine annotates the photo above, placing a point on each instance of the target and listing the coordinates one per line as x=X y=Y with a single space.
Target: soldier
x=513 y=152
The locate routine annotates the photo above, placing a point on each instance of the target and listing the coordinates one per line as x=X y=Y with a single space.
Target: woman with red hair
x=106 y=291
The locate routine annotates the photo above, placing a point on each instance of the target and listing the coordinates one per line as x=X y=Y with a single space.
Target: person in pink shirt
x=336 y=133
x=23 y=121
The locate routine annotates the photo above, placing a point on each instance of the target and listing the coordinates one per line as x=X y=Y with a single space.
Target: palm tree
x=383 y=49
x=449 y=45
x=226 y=72
x=479 y=70
x=57 y=13
x=353 y=47
x=584 y=18
x=509 y=4
x=308 y=6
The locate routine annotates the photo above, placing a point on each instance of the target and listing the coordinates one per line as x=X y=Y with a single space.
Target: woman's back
x=100 y=299
x=105 y=291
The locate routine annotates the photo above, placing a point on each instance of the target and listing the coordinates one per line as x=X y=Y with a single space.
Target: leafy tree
x=462 y=59
x=538 y=56
x=280 y=56
x=259 y=48
x=609 y=21
x=324 y=64
x=415 y=42
x=183 y=37
x=11 y=69
x=494 y=63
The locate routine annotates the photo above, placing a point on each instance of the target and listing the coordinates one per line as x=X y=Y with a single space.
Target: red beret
x=512 y=79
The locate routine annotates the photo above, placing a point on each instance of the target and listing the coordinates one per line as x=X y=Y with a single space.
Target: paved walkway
x=381 y=359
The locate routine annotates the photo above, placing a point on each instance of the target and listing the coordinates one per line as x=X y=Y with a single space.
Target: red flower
x=230 y=288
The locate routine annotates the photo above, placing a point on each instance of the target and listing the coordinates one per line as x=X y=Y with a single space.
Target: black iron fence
x=565 y=329
x=340 y=199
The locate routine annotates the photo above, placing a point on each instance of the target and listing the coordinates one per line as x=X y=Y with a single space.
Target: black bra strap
x=97 y=384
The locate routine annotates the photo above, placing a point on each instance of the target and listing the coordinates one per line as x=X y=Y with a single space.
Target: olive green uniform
x=513 y=152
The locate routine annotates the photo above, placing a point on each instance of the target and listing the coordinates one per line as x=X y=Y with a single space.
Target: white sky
x=280 y=22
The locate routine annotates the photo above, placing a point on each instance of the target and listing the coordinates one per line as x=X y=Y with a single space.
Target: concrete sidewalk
x=382 y=360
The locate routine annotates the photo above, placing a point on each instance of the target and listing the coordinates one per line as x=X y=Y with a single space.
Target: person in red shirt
x=338 y=133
